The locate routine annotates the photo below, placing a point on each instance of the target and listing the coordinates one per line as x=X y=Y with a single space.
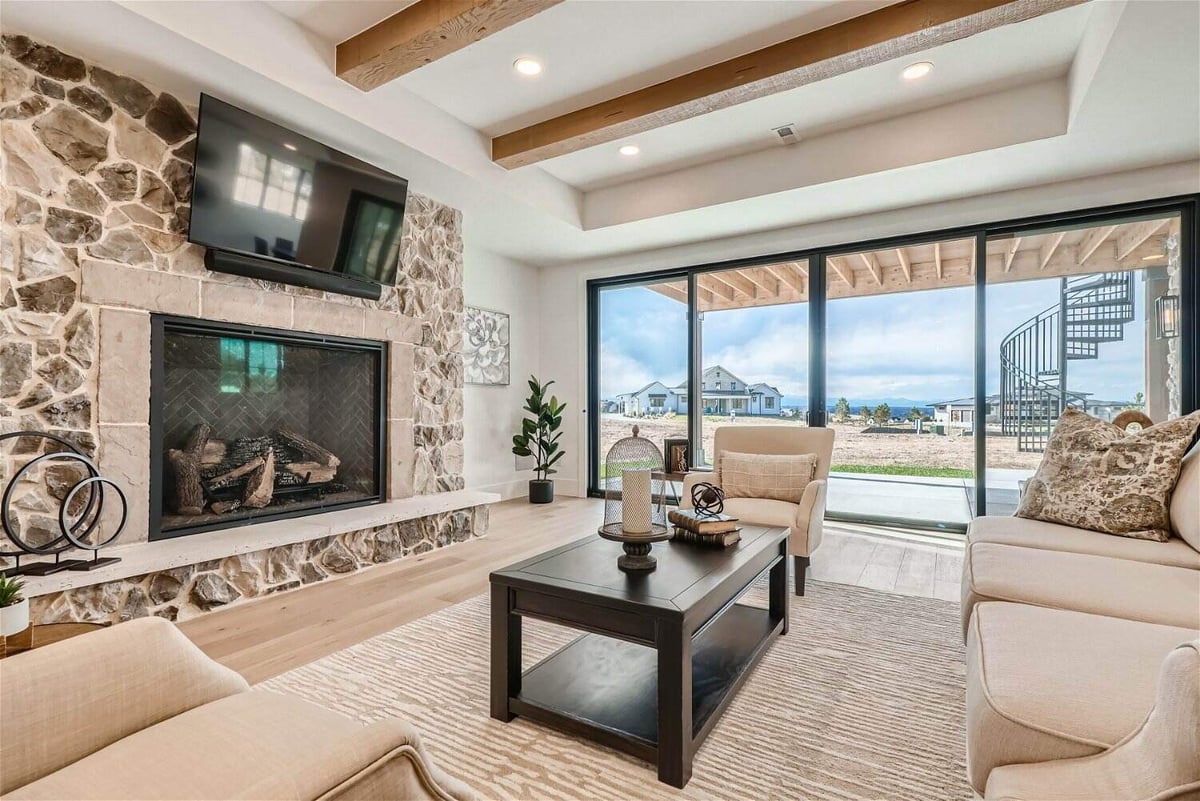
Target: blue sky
x=916 y=345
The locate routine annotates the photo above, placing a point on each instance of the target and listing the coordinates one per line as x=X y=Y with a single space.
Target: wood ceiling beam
x=1093 y=240
x=847 y=275
x=718 y=288
x=1048 y=247
x=735 y=281
x=424 y=32
x=763 y=280
x=1011 y=252
x=788 y=274
x=905 y=264
x=883 y=35
x=872 y=265
x=670 y=290
x=1133 y=235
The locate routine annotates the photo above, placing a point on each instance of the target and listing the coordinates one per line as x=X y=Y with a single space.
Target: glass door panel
x=1086 y=317
x=643 y=364
x=753 y=348
x=900 y=367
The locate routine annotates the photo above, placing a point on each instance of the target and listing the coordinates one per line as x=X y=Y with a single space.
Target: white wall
x=491 y=415
x=563 y=289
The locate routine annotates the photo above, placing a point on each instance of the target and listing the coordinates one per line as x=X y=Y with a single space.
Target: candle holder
x=630 y=515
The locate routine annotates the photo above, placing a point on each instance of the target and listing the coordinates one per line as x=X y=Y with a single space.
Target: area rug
x=862 y=699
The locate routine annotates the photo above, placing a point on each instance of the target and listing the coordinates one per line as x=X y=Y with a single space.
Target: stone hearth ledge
x=149 y=557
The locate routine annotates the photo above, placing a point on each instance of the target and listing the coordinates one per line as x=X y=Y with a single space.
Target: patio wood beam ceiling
x=424 y=32
x=888 y=33
x=936 y=265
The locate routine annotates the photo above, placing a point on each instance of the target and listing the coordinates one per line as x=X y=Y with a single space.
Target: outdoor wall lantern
x=1166 y=316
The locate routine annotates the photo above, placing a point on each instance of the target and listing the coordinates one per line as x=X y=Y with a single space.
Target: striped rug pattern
x=863 y=699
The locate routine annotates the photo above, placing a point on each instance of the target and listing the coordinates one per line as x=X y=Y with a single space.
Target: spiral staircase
x=1092 y=309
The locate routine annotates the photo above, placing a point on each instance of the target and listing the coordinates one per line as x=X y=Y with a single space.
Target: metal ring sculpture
x=74 y=535
x=708 y=499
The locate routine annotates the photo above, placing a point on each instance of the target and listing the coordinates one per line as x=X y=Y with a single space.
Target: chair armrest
x=394 y=765
x=67 y=700
x=810 y=517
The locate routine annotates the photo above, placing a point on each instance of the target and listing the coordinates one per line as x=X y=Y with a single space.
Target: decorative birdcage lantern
x=631 y=515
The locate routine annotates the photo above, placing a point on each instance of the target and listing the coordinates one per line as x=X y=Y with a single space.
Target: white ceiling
x=1088 y=91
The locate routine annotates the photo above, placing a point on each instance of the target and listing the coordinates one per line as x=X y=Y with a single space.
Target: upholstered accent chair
x=138 y=711
x=803 y=519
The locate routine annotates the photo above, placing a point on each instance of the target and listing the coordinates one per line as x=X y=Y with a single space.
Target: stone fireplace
x=251 y=424
x=94 y=263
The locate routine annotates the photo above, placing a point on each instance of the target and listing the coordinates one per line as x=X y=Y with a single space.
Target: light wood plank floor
x=270 y=635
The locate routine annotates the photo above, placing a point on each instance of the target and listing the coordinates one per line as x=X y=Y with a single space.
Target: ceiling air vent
x=787 y=134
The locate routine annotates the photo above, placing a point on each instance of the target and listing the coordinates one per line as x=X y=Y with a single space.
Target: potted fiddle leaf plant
x=539 y=438
x=14 y=607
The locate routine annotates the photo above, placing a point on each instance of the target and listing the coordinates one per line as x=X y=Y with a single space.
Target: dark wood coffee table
x=667 y=649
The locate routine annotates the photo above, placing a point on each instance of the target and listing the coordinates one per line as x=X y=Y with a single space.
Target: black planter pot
x=541 y=491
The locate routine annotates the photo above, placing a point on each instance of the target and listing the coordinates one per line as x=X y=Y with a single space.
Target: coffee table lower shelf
x=607 y=689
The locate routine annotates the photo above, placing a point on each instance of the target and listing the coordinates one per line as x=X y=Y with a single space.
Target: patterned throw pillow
x=1095 y=476
x=761 y=475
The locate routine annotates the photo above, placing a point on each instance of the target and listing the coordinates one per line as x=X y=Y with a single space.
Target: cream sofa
x=1070 y=635
x=803 y=519
x=137 y=711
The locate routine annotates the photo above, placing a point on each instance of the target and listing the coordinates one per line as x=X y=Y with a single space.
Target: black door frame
x=1186 y=206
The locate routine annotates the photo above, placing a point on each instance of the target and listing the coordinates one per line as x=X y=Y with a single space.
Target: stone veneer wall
x=94 y=192
x=184 y=592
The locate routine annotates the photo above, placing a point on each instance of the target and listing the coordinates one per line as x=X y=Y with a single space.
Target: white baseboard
x=519 y=488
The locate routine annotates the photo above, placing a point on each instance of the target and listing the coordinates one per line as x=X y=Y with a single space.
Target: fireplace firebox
x=249 y=424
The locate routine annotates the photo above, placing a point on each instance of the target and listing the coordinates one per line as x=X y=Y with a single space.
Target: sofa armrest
x=395 y=765
x=67 y=700
x=810 y=517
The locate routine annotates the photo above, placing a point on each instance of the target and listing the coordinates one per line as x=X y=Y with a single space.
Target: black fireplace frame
x=161 y=324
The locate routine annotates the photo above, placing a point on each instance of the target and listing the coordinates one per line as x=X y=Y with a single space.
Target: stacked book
x=717 y=531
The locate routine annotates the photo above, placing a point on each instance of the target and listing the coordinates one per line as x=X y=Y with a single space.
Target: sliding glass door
x=941 y=376
x=642 y=365
x=1078 y=316
x=899 y=344
x=753 y=332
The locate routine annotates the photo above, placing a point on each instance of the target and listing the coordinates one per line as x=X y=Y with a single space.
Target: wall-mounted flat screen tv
x=274 y=204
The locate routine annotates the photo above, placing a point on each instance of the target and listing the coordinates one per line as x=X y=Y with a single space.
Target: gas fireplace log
x=213 y=453
x=189 y=494
x=227 y=478
x=223 y=507
x=309 y=449
x=315 y=472
x=260 y=487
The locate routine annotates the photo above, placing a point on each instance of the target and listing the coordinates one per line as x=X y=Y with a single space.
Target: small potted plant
x=14 y=607
x=539 y=438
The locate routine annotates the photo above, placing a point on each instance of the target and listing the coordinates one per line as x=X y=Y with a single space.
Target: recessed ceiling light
x=919 y=70
x=630 y=150
x=289 y=146
x=528 y=66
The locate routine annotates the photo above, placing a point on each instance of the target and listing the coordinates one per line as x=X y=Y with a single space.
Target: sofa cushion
x=1094 y=475
x=1099 y=585
x=761 y=511
x=780 y=477
x=1051 y=684
x=1055 y=537
x=1185 y=501
x=253 y=745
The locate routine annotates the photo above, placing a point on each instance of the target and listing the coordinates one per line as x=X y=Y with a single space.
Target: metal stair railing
x=1092 y=309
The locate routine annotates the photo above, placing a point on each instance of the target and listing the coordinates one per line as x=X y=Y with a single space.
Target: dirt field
x=851 y=446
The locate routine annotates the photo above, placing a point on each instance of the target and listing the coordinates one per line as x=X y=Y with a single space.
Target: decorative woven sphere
x=708 y=499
